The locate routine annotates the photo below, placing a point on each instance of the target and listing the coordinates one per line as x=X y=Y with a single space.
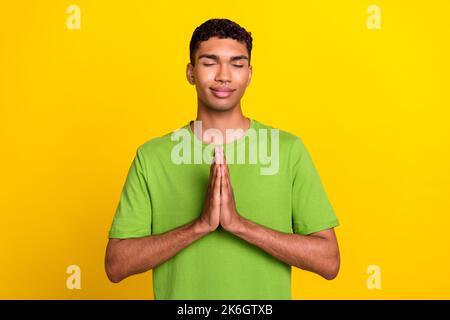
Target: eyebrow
x=215 y=57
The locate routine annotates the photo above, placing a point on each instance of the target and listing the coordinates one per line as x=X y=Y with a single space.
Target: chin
x=222 y=108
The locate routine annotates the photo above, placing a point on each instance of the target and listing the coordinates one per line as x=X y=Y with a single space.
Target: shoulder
x=157 y=146
x=287 y=140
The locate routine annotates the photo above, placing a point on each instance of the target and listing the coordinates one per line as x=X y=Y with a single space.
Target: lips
x=222 y=93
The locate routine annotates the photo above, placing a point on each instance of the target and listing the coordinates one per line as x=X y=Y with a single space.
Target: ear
x=190 y=73
x=250 y=74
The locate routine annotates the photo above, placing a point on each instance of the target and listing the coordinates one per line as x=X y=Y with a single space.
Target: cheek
x=201 y=81
x=205 y=76
x=241 y=77
x=241 y=86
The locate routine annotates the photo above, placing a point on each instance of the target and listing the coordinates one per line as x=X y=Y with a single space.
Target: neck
x=222 y=120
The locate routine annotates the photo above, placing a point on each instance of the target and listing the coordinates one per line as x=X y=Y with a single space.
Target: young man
x=222 y=229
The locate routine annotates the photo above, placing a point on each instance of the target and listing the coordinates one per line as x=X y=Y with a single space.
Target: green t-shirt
x=161 y=194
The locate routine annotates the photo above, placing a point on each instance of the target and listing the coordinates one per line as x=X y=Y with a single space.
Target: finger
x=225 y=184
x=217 y=181
x=228 y=180
x=217 y=155
x=211 y=168
x=213 y=176
x=227 y=170
x=209 y=190
x=220 y=155
x=211 y=173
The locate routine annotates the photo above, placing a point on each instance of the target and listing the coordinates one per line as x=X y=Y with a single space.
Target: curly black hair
x=222 y=28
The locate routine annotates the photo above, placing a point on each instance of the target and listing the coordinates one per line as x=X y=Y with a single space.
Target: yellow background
x=372 y=106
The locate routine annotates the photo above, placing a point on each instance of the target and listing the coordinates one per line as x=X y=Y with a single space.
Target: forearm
x=311 y=253
x=131 y=256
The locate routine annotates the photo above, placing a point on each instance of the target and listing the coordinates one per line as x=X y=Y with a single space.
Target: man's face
x=221 y=73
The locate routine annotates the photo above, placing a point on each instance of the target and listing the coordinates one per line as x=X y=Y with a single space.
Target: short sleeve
x=133 y=216
x=311 y=209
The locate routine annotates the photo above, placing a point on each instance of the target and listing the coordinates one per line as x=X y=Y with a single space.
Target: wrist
x=200 y=227
x=236 y=226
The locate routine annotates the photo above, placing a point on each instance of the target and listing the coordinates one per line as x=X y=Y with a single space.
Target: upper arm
x=312 y=211
x=133 y=216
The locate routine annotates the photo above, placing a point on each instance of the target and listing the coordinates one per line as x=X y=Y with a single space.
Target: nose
x=223 y=74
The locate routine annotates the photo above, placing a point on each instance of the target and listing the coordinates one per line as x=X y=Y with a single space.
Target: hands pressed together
x=220 y=207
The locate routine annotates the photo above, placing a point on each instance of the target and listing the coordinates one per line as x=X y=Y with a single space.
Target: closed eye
x=234 y=65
